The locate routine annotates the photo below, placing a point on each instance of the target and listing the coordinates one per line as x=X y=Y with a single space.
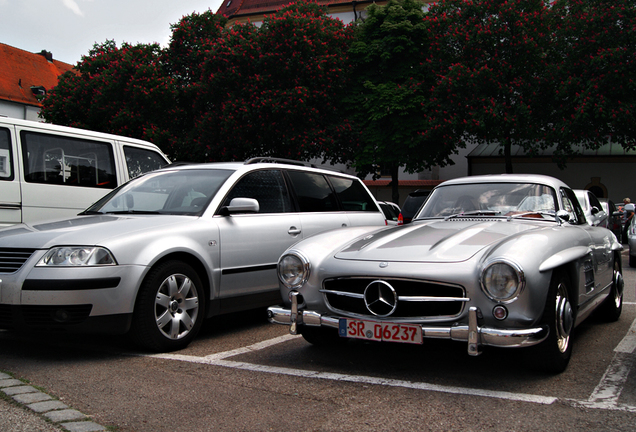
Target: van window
x=313 y=192
x=352 y=194
x=140 y=161
x=54 y=159
x=6 y=160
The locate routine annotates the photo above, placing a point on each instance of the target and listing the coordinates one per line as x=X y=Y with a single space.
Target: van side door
x=10 y=194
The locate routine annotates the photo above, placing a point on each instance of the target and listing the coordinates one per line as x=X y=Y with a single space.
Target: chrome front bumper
x=475 y=335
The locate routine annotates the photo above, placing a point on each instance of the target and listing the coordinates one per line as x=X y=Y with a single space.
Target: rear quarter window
x=352 y=194
x=140 y=161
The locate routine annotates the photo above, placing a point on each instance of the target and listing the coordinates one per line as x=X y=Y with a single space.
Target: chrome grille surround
x=417 y=300
x=12 y=259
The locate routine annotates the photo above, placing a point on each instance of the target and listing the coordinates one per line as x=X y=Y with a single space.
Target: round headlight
x=502 y=281
x=293 y=270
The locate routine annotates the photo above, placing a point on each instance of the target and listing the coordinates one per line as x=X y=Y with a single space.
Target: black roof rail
x=278 y=160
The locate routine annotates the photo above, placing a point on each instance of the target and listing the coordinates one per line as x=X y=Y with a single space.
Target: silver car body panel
x=454 y=251
x=238 y=252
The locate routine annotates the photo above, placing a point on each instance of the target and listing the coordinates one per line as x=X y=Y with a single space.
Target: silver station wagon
x=504 y=260
x=162 y=252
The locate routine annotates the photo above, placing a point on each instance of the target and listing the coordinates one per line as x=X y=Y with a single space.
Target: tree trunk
x=395 y=191
x=508 y=155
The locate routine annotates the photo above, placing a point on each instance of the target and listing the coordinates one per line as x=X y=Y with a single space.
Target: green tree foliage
x=117 y=90
x=491 y=59
x=388 y=91
x=272 y=91
x=596 y=77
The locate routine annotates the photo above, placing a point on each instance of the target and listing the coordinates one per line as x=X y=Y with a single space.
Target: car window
x=505 y=199
x=313 y=192
x=56 y=159
x=572 y=206
x=390 y=213
x=6 y=158
x=180 y=192
x=140 y=161
x=267 y=187
x=594 y=202
x=352 y=194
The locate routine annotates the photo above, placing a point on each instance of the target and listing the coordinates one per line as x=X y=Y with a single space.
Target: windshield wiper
x=133 y=212
x=89 y=212
x=474 y=213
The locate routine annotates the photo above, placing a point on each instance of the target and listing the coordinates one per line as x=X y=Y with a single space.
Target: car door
x=318 y=204
x=251 y=243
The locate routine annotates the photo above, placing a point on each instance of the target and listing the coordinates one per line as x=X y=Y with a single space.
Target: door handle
x=293 y=231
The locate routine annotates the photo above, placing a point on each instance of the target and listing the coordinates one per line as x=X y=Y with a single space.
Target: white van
x=52 y=172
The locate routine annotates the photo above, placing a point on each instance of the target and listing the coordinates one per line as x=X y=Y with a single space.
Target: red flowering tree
x=596 y=83
x=273 y=90
x=124 y=91
x=386 y=98
x=491 y=60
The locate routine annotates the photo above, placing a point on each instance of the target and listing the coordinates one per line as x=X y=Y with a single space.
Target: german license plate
x=380 y=331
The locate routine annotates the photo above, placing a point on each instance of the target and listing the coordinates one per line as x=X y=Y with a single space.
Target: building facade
x=24 y=77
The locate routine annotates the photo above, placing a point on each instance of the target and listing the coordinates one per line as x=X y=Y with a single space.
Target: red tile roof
x=20 y=70
x=230 y=8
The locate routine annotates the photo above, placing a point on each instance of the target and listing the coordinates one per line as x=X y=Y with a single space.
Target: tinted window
x=54 y=159
x=313 y=192
x=140 y=161
x=352 y=194
x=6 y=159
x=267 y=187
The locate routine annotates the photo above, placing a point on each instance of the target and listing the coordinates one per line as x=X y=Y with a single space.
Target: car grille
x=12 y=259
x=416 y=299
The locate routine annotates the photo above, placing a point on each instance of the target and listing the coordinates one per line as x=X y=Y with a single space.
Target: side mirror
x=563 y=215
x=595 y=210
x=240 y=205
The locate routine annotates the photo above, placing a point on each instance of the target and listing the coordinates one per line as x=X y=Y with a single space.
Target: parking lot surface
x=244 y=374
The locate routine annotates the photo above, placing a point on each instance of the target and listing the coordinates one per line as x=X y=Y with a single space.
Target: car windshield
x=490 y=199
x=182 y=192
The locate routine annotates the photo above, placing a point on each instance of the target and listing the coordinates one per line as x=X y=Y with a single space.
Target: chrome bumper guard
x=473 y=333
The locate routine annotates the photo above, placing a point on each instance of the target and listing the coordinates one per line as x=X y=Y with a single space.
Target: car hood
x=435 y=241
x=82 y=230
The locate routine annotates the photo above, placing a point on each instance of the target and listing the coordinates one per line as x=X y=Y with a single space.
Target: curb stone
x=42 y=403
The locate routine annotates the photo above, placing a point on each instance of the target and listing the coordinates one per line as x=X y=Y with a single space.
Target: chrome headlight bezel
x=297 y=268
x=508 y=273
x=77 y=256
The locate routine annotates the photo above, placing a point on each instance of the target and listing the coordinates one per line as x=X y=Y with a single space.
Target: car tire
x=170 y=307
x=612 y=307
x=553 y=354
x=321 y=336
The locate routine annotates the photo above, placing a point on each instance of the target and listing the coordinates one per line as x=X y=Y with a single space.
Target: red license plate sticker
x=380 y=331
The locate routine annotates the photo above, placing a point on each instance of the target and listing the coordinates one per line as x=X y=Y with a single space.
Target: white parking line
x=604 y=396
x=608 y=391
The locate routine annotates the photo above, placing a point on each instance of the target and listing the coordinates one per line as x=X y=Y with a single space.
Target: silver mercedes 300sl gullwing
x=502 y=260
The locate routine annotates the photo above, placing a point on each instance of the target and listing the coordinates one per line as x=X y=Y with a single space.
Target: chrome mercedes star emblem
x=380 y=298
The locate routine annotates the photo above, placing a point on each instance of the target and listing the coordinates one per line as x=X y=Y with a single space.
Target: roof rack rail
x=278 y=160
